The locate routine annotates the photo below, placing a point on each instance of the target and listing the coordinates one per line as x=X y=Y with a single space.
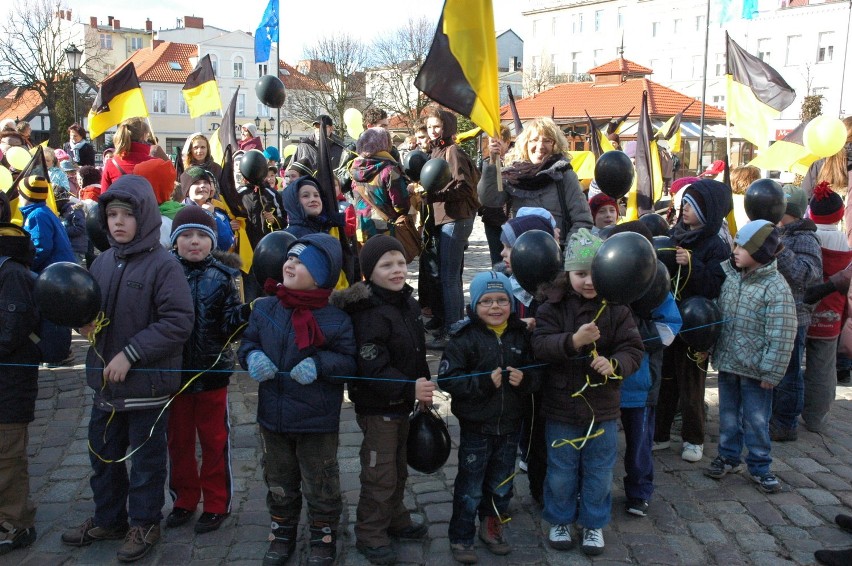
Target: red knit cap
x=599 y=201
x=826 y=206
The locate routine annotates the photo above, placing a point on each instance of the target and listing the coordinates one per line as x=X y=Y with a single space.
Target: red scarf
x=308 y=332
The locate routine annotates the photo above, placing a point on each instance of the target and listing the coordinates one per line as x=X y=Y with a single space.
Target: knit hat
x=629 y=149
x=192 y=176
x=514 y=227
x=118 y=203
x=251 y=128
x=372 y=141
x=537 y=211
x=271 y=153
x=696 y=201
x=322 y=257
x=581 y=249
x=35 y=188
x=68 y=166
x=797 y=201
x=193 y=218
x=599 y=201
x=826 y=205
x=302 y=167
x=61 y=155
x=161 y=174
x=760 y=239
x=373 y=250
x=490 y=282
x=633 y=226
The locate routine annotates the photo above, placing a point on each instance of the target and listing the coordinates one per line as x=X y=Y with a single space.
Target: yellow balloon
x=18 y=157
x=824 y=136
x=354 y=121
x=5 y=178
x=288 y=151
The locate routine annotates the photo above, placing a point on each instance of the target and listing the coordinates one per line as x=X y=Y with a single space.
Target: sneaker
x=439 y=342
x=323 y=545
x=414 y=531
x=282 y=543
x=178 y=517
x=560 y=537
x=87 y=533
x=767 y=483
x=692 y=452
x=638 y=507
x=12 y=538
x=208 y=522
x=662 y=445
x=844 y=522
x=491 y=533
x=844 y=377
x=834 y=557
x=720 y=467
x=68 y=361
x=377 y=554
x=463 y=553
x=139 y=540
x=593 y=542
x=522 y=464
x=778 y=434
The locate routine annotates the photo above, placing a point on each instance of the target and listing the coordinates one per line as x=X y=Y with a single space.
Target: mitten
x=260 y=367
x=305 y=372
x=814 y=294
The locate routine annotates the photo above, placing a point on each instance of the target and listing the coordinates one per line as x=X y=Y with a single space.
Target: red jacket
x=138 y=153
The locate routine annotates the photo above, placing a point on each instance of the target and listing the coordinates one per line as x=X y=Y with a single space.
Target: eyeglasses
x=501 y=302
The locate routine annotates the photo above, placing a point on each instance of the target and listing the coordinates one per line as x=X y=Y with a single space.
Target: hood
x=348 y=299
x=228 y=259
x=186 y=144
x=364 y=169
x=15 y=242
x=138 y=192
x=717 y=199
x=330 y=247
x=295 y=212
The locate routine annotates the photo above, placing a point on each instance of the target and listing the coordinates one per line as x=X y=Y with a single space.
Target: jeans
x=141 y=494
x=788 y=397
x=744 y=412
x=638 y=424
x=495 y=246
x=578 y=486
x=483 y=485
x=820 y=382
x=453 y=241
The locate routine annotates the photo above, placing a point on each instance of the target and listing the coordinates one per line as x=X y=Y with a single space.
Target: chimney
x=193 y=22
x=116 y=24
x=68 y=15
x=156 y=43
x=149 y=25
x=109 y=21
x=93 y=21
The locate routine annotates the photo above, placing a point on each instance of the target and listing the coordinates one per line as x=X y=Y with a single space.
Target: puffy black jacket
x=218 y=314
x=475 y=349
x=391 y=346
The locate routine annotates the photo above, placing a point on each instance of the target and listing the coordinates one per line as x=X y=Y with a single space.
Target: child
x=199 y=186
x=392 y=361
x=18 y=383
x=604 y=211
x=587 y=344
x=72 y=214
x=89 y=180
x=147 y=302
x=484 y=368
x=297 y=331
x=202 y=407
x=752 y=352
x=265 y=210
x=47 y=232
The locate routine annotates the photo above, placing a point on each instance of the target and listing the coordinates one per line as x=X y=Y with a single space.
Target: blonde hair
x=834 y=169
x=129 y=131
x=742 y=177
x=541 y=126
x=50 y=156
x=187 y=153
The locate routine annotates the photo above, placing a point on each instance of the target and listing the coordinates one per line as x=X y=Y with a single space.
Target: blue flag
x=266 y=32
x=749 y=9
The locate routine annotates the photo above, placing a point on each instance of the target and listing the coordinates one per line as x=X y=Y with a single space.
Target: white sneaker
x=560 y=537
x=665 y=444
x=593 y=542
x=692 y=452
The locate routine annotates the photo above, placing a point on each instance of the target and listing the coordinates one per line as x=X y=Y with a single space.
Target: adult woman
x=131 y=149
x=81 y=151
x=539 y=175
x=196 y=153
x=26 y=131
x=454 y=209
x=249 y=138
x=834 y=169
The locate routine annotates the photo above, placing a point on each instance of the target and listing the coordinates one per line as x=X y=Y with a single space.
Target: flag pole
x=704 y=87
x=277 y=73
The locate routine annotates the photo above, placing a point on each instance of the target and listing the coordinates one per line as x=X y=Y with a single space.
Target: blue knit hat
x=271 y=153
x=490 y=282
x=513 y=228
x=322 y=257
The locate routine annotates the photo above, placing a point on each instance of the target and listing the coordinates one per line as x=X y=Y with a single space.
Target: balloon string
x=100 y=322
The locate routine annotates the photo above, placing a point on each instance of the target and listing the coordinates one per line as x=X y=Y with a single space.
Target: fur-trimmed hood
x=362 y=296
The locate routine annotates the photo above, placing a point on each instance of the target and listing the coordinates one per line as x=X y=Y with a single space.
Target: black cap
x=326 y=120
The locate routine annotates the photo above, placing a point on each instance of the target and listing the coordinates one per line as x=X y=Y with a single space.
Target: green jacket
x=760 y=324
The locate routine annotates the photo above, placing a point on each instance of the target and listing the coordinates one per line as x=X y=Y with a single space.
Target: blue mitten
x=305 y=372
x=260 y=367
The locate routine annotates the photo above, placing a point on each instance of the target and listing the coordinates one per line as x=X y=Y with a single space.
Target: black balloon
x=67 y=295
x=764 y=200
x=435 y=174
x=623 y=268
x=701 y=322
x=655 y=223
x=270 y=91
x=428 y=442
x=95 y=230
x=535 y=259
x=656 y=293
x=254 y=166
x=413 y=163
x=270 y=255
x=666 y=249
x=614 y=173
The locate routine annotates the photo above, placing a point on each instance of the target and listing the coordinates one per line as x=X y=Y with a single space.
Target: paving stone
x=740 y=523
x=806 y=465
x=765 y=513
x=769 y=559
x=707 y=532
x=800 y=516
x=752 y=542
x=439 y=512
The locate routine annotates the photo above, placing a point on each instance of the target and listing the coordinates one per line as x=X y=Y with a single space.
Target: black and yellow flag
x=595 y=136
x=201 y=91
x=616 y=124
x=36 y=166
x=649 y=178
x=756 y=94
x=226 y=134
x=119 y=98
x=670 y=131
x=460 y=70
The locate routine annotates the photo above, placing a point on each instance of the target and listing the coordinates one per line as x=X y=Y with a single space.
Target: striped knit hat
x=760 y=238
x=35 y=188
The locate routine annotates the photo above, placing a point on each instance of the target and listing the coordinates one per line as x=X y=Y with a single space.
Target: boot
x=834 y=557
x=323 y=545
x=491 y=533
x=282 y=543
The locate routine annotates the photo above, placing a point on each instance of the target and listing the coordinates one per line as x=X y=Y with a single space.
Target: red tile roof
x=620 y=66
x=296 y=80
x=152 y=63
x=18 y=109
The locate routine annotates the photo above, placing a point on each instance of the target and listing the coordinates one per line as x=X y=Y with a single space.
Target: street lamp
x=73 y=58
x=268 y=126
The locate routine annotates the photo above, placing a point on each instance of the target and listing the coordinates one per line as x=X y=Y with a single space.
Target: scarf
x=308 y=332
x=525 y=174
x=685 y=237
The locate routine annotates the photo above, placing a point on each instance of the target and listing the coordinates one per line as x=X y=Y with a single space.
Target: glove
x=260 y=367
x=305 y=372
x=814 y=294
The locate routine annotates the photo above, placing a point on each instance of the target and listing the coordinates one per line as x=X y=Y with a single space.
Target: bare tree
x=539 y=77
x=395 y=61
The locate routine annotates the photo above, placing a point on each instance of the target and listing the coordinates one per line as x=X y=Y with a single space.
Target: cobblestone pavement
x=692 y=519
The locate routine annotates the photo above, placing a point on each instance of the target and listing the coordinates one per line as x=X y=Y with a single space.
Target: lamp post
x=268 y=126
x=73 y=58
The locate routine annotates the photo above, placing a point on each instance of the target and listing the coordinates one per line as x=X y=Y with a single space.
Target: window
x=238 y=68
x=183 y=108
x=721 y=65
x=655 y=28
x=620 y=17
x=825 y=50
x=763 y=52
x=534 y=31
x=575 y=63
x=718 y=100
x=553 y=26
x=262 y=109
x=697 y=66
x=577 y=23
x=241 y=104
x=175 y=66
x=699 y=23
x=677 y=25
x=598 y=17
x=262 y=69
x=160 y=102
x=597 y=55
x=214 y=62
x=671 y=68
x=794 y=48
x=535 y=66
x=554 y=67
x=106 y=40
x=135 y=43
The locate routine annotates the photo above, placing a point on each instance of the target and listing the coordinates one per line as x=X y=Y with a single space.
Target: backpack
x=53 y=341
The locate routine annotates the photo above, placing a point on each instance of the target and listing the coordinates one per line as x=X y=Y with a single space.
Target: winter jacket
x=256 y=200
x=474 y=348
x=73 y=218
x=382 y=180
x=556 y=321
x=391 y=346
x=828 y=315
x=48 y=235
x=219 y=313
x=563 y=179
x=457 y=200
x=800 y=262
x=760 y=324
x=120 y=165
x=308 y=151
x=251 y=143
x=82 y=153
x=58 y=178
x=146 y=299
